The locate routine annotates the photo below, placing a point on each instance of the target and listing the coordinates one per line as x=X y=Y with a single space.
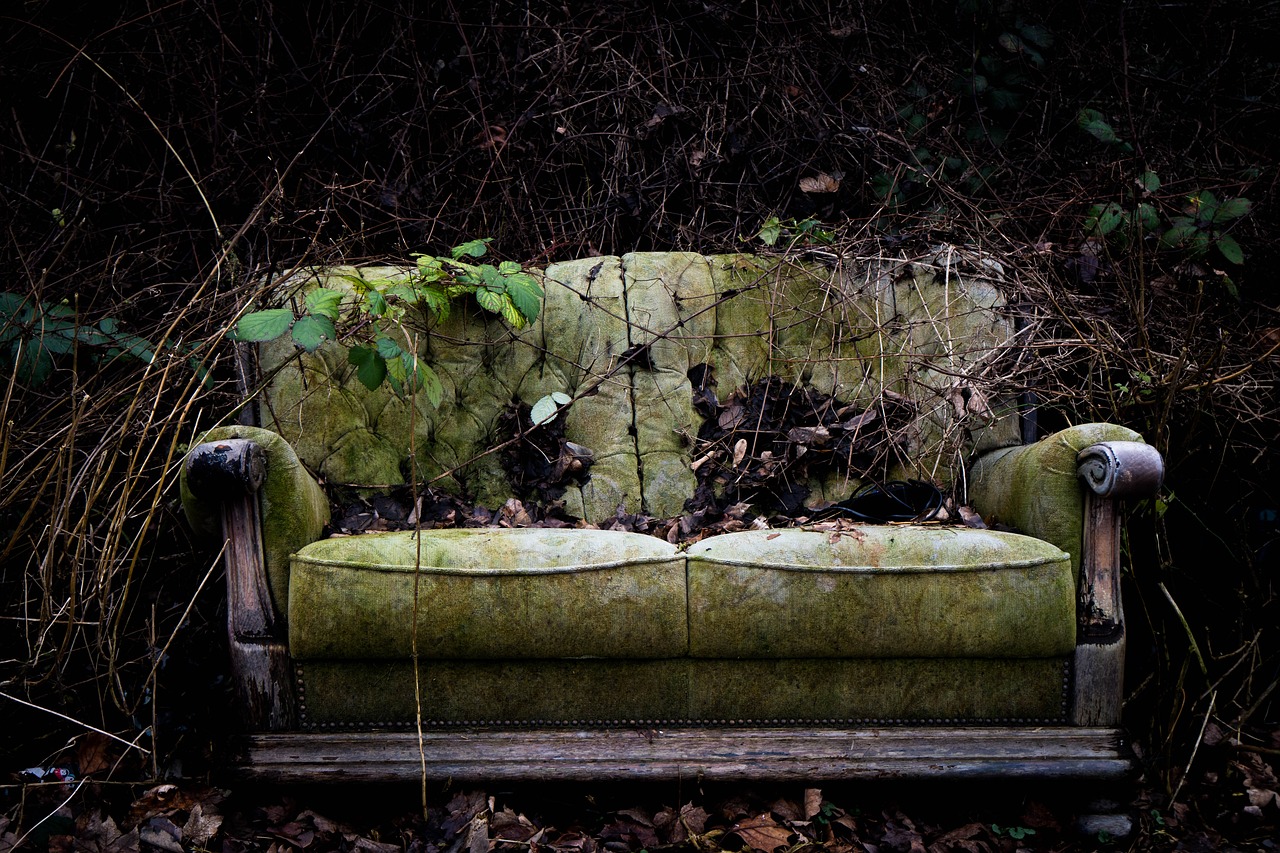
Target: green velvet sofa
x=826 y=650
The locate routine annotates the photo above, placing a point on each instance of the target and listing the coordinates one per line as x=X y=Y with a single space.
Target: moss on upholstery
x=535 y=593
x=375 y=692
x=294 y=508
x=879 y=591
x=1035 y=488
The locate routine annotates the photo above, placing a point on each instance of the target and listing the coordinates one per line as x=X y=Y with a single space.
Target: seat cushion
x=880 y=591
x=488 y=594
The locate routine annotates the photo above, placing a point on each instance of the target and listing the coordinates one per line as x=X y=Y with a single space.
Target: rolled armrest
x=1036 y=488
x=294 y=508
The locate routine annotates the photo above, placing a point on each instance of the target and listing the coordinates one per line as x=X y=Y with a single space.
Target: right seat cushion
x=880 y=592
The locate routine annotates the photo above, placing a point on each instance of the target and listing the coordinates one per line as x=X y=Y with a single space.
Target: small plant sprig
x=804 y=232
x=377 y=314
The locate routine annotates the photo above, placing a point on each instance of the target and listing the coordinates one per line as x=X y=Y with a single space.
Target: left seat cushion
x=488 y=594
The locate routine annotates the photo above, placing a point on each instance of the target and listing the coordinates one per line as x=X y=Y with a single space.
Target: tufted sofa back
x=633 y=339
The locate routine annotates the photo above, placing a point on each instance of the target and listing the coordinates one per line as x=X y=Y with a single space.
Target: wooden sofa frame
x=1093 y=746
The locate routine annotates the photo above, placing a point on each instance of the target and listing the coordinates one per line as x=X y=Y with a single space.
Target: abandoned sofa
x=829 y=651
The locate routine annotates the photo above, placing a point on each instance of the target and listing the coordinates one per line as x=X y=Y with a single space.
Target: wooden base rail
x=700 y=754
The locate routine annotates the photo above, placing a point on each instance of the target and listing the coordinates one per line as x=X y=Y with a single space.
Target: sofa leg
x=1100 y=644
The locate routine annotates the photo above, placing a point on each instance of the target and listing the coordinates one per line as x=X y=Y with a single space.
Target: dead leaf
x=163 y=833
x=739 y=452
x=787 y=810
x=812 y=802
x=971 y=518
x=820 y=183
x=963 y=838
x=901 y=835
x=202 y=825
x=762 y=833
x=379 y=847
x=92 y=753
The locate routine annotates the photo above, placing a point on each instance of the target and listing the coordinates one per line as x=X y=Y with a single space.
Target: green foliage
x=545 y=410
x=34 y=335
x=1017 y=833
x=1095 y=124
x=1202 y=225
x=377 y=314
x=804 y=232
x=1198 y=228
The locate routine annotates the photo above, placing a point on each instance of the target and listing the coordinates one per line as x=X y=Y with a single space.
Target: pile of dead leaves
x=763 y=443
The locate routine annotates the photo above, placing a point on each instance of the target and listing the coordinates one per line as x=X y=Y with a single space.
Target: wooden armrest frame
x=231 y=473
x=1111 y=471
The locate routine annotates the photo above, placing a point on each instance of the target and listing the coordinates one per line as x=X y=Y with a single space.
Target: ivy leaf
x=770 y=231
x=323 y=302
x=1230 y=249
x=312 y=330
x=472 y=249
x=264 y=325
x=526 y=294
x=371 y=368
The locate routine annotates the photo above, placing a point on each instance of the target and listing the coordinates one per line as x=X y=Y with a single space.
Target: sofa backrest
x=914 y=352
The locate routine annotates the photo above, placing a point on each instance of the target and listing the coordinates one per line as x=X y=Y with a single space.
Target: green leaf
x=388 y=348
x=1010 y=42
x=1149 y=181
x=472 y=248
x=525 y=294
x=1146 y=218
x=371 y=367
x=264 y=325
x=311 y=331
x=490 y=301
x=1004 y=99
x=544 y=411
x=1181 y=231
x=324 y=302
x=771 y=230
x=425 y=380
x=1102 y=219
x=1230 y=249
x=508 y=268
x=375 y=303
x=493 y=280
x=1092 y=123
x=1037 y=35
x=509 y=313
x=1232 y=209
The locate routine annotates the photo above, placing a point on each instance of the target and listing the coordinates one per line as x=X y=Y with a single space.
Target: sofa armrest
x=294 y=507
x=248 y=484
x=1036 y=488
x=1065 y=489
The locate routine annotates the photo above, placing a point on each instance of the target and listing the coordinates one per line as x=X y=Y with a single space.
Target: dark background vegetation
x=158 y=160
